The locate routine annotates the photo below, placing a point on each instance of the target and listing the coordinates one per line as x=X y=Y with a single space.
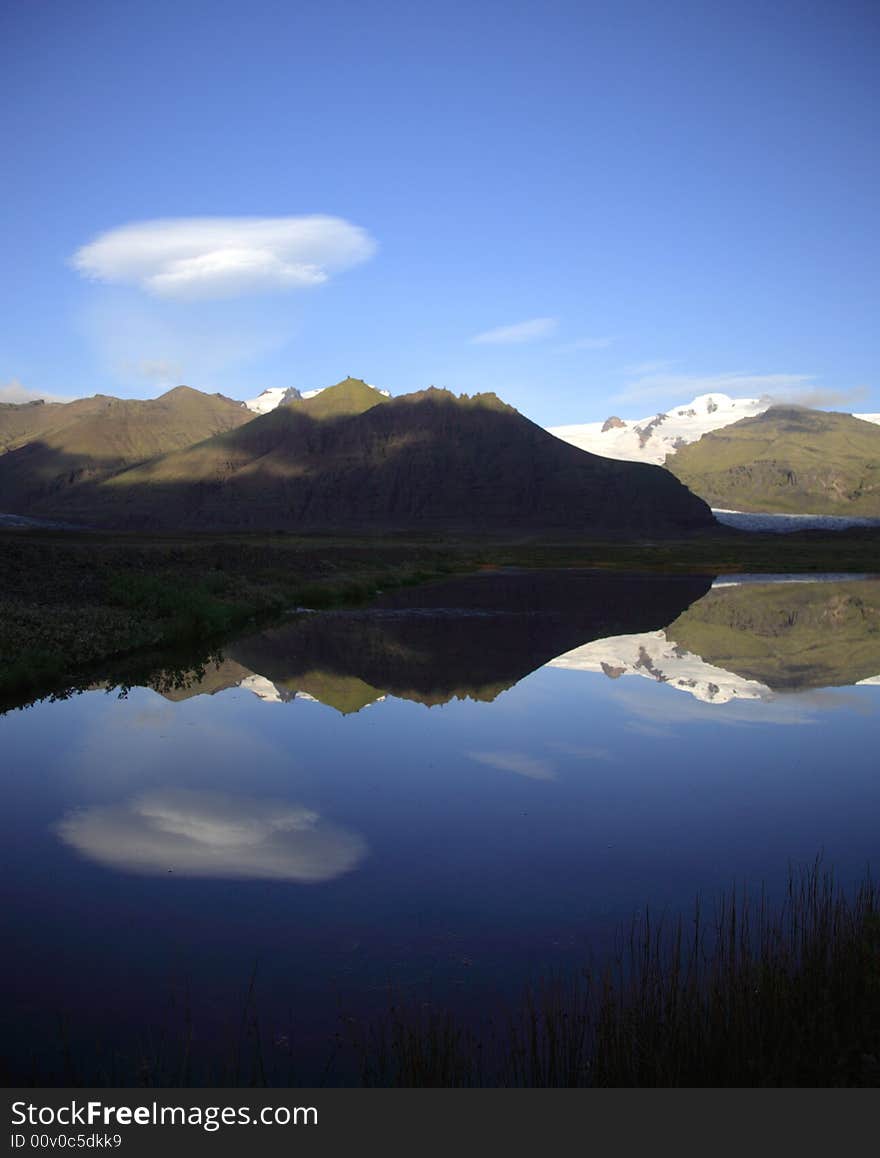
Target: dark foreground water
x=466 y=787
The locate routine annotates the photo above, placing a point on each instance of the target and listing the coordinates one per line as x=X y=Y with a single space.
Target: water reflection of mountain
x=750 y=641
x=789 y=636
x=465 y=638
x=477 y=636
x=652 y=655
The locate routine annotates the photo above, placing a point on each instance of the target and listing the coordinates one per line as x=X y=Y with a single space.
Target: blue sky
x=585 y=207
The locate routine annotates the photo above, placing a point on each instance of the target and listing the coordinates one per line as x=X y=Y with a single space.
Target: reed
x=748 y=995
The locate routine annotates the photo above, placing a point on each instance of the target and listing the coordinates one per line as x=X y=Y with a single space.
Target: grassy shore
x=71 y=601
x=741 y=993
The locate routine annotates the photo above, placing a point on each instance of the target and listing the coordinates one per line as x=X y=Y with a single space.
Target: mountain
x=351 y=459
x=787 y=460
x=655 y=438
x=652 y=439
x=278 y=396
x=48 y=449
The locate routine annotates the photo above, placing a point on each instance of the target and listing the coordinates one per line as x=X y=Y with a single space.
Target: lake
x=454 y=791
x=787 y=524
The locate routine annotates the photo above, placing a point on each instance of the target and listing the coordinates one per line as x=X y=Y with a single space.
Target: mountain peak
x=350 y=396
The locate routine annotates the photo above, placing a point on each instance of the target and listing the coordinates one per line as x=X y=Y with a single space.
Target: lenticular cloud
x=214 y=257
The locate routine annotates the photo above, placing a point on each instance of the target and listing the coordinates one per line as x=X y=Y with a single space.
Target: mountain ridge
x=659 y=436
x=352 y=459
x=55 y=447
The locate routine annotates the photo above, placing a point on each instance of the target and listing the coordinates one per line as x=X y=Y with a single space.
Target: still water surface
x=452 y=792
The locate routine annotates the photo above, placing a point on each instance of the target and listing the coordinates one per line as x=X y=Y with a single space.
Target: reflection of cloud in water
x=517 y=762
x=213 y=834
x=651 y=714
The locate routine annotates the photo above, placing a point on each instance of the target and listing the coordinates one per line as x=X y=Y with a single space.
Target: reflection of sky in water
x=462 y=846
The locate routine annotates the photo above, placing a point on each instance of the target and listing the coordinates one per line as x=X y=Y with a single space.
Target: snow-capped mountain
x=269 y=399
x=653 y=656
x=652 y=439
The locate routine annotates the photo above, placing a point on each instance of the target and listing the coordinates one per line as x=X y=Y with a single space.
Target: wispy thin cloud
x=150 y=342
x=194 y=258
x=16 y=392
x=529 y=331
x=819 y=397
x=584 y=344
x=682 y=387
x=156 y=371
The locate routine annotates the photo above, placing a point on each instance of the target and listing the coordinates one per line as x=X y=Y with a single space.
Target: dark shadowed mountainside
x=788 y=460
x=54 y=447
x=352 y=460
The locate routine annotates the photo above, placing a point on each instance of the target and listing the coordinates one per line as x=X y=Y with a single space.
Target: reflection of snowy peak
x=655 y=657
x=270 y=399
x=652 y=439
x=264 y=689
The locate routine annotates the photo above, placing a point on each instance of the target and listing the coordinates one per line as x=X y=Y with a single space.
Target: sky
x=588 y=208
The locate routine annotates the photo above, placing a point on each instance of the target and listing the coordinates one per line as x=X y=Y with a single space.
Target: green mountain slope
x=787 y=460
x=350 y=396
x=51 y=449
x=428 y=460
x=21 y=423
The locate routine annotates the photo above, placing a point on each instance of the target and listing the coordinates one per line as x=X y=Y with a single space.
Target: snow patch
x=270 y=399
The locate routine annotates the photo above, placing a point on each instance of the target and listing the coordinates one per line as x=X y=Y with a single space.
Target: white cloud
x=529 y=331
x=15 y=391
x=517 y=762
x=213 y=834
x=584 y=344
x=681 y=387
x=194 y=258
x=797 y=389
